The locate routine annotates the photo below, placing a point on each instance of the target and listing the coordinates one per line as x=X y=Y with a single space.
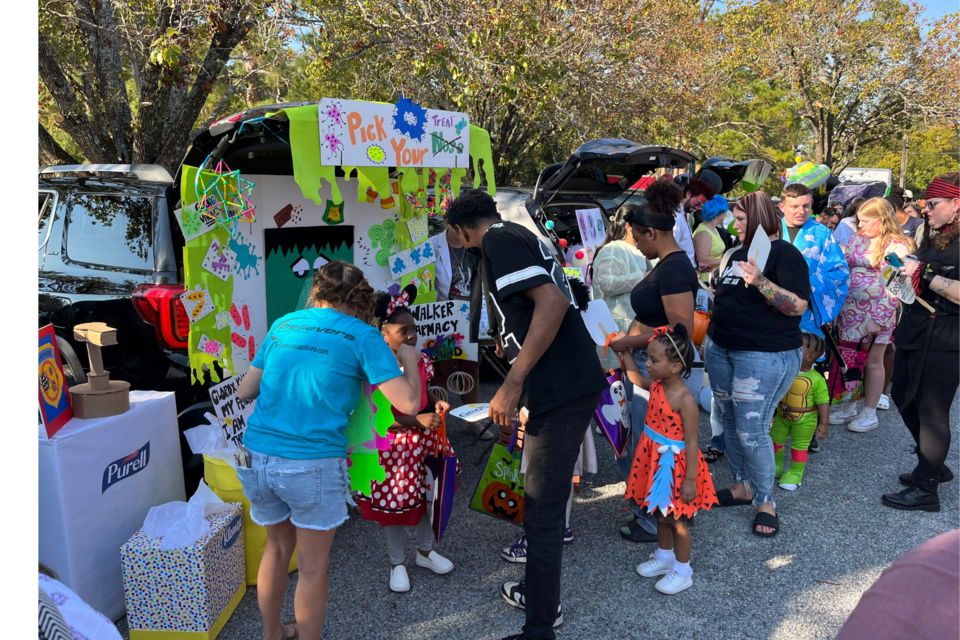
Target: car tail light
x=160 y=305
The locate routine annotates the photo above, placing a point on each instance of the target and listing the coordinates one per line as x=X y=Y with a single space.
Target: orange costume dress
x=660 y=463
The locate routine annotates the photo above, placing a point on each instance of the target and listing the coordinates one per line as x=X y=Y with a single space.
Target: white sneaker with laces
x=673 y=583
x=435 y=562
x=862 y=423
x=654 y=567
x=845 y=413
x=399 y=582
x=884 y=402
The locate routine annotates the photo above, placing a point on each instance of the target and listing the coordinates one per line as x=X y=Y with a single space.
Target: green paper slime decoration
x=221 y=294
x=305 y=149
x=480 y=150
x=370 y=419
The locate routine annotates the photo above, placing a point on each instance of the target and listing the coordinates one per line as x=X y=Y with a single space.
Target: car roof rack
x=145 y=172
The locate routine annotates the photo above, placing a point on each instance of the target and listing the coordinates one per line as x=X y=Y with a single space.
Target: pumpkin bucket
x=701 y=320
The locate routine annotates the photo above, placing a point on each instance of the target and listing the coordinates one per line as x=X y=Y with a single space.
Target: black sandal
x=712 y=454
x=726 y=499
x=764 y=519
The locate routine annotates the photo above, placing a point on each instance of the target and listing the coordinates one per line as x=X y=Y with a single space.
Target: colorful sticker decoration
x=333 y=213
x=223 y=319
x=197 y=303
x=417 y=226
x=210 y=347
x=219 y=260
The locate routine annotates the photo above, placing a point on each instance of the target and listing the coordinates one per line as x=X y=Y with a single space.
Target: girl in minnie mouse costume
x=400 y=500
x=661 y=478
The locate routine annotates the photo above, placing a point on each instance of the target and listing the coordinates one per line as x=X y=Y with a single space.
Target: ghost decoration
x=617 y=412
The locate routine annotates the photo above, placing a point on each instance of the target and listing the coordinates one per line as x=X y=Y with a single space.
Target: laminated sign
x=232 y=412
x=443 y=329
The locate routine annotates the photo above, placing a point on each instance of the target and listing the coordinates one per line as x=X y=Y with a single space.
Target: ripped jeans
x=747 y=385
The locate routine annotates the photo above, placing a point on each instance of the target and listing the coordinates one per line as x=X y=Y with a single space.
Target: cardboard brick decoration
x=99 y=397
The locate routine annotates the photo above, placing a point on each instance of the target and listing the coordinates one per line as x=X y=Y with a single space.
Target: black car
x=110 y=251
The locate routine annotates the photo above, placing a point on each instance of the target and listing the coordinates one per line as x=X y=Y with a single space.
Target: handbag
x=848 y=387
x=441 y=481
x=613 y=413
x=499 y=492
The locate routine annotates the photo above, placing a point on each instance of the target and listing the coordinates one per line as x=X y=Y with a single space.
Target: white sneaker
x=790 y=487
x=884 y=403
x=846 y=413
x=654 y=567
x=435 y=562
x=673 y=583
x=399 y=582
x=862 y=424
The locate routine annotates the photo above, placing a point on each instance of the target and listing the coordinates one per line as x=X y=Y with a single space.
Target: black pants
x=928 y=415
x=551 y=446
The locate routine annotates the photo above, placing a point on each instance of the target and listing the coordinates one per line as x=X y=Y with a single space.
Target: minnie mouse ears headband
x=388 y=304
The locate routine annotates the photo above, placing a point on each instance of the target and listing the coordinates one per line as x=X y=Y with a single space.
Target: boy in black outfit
x=554 y=373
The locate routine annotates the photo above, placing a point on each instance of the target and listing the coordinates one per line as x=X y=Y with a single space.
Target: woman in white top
x=617 y=267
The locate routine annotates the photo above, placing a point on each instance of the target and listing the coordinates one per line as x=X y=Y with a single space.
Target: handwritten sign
x=232 y=412
x=369 y=134
x=443 y=329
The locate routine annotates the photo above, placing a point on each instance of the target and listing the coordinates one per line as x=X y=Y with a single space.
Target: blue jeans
x=747 y=385
x=638 y=415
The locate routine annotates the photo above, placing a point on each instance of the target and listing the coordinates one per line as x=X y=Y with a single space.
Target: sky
x=935 y=8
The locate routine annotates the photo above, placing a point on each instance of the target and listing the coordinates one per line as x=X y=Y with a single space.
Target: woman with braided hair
x=926 y=369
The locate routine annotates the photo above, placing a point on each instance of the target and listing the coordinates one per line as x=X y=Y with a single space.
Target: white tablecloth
x=98 y=480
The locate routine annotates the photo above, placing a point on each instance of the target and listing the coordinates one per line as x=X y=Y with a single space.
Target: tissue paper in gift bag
x=188 y=592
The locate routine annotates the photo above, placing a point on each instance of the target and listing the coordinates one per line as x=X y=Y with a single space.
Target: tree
x=859 y=70
x=126 y=82
x=529 y=72
x=931 y=151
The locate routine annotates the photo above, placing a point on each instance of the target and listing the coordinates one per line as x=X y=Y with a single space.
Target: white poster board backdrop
x=443 y=330
x=98 y=480
x=232 y=412
x=371 y=134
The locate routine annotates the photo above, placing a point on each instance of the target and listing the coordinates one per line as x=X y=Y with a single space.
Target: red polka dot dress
x=655 y=453
x=401 y=498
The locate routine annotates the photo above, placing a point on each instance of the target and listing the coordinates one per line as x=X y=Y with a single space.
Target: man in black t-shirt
x=554 y=374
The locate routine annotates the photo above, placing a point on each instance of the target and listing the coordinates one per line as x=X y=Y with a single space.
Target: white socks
x=665 y=555
x=682 y=568
x=870 y=413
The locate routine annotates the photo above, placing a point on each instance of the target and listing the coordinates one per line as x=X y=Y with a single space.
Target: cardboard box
x=97 y=481
x=189 y=592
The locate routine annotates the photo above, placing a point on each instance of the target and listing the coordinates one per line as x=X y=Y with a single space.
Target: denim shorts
x=313 y=493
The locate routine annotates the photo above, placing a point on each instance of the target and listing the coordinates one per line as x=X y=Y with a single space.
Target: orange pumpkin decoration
x=701 y=320
x=499 y=499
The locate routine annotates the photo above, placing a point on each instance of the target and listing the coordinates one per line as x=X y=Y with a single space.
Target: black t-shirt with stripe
x=514 y=260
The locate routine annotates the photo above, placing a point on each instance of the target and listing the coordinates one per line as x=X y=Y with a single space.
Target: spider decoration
x=224 y=197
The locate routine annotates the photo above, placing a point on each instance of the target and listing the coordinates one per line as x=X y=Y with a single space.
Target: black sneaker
x=814 y=446
x=513 y=593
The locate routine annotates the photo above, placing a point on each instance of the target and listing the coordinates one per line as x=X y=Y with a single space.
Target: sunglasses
x=932 y=202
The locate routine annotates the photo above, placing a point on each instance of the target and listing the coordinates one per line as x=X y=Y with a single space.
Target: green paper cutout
x=456 y=176
x=480 y=150
x=371 y=418
x=426 y=292
x=305 y=148
x=333 y=214
x=376 y=178
x=221 y=294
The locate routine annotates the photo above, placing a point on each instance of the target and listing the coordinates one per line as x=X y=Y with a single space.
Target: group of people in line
x=762 y=352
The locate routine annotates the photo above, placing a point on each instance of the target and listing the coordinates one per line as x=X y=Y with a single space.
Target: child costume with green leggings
x=796 y=418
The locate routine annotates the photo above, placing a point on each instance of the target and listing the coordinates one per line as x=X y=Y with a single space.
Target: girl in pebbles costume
x=400 y=500
x=660 y=478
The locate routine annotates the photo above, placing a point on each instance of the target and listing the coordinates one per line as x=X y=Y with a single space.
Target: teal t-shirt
x=314 y=363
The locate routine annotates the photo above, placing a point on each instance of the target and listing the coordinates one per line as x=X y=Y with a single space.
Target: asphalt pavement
x=835 y=540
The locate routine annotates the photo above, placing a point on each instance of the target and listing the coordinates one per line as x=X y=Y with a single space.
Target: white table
x=98 y=480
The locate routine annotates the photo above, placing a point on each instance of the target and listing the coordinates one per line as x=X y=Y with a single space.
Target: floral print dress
x=867 y=298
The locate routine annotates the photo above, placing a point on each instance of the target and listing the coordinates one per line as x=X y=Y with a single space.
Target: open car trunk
x=597 y=171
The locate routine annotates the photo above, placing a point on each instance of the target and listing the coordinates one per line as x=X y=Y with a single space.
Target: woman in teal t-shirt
x=307 y=378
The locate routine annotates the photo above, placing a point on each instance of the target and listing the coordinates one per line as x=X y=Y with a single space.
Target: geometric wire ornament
x=224 y=196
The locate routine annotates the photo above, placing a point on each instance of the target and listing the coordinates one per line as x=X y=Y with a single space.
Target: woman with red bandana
x=927 y=370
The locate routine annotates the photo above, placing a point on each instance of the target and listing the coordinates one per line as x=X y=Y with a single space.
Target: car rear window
x=111 y=230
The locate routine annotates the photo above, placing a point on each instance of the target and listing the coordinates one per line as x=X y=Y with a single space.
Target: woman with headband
x=665 y=297
x=753 y=353
x=926 y=370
